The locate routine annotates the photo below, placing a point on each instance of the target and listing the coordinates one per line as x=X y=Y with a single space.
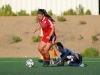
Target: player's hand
x=59 y=62
x=60 y=35
x=33 y=31
x=48 y=37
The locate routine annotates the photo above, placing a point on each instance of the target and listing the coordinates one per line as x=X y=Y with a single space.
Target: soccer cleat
x=40 y=60
x=46 y=63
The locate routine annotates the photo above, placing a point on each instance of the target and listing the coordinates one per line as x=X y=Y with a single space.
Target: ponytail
x=43 y=11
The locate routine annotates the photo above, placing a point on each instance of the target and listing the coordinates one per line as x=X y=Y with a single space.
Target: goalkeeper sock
x=41 y=57
x=54 y=54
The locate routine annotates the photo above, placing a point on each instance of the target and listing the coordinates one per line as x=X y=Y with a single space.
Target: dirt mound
x=77 y=34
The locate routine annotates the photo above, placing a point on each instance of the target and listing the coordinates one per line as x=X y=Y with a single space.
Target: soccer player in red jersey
x=47 y=24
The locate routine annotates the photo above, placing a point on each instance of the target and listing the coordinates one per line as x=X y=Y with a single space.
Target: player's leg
x=47 y=55
x=77 y=62
x=49 y=44
x=41 y=57
x=74 y=63
x=41 y=48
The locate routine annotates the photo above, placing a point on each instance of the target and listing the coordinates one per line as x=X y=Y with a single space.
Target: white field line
x=37 y=61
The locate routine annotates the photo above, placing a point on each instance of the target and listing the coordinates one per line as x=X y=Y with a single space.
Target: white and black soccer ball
x=30 y=63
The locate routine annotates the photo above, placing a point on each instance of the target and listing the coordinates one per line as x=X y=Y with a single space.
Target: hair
x=43 y=11
x=59 y=44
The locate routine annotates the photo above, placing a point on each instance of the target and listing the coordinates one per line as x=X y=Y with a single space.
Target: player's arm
x=58 y=32
x=52 y=31
x=66 y=54
x=37 y=28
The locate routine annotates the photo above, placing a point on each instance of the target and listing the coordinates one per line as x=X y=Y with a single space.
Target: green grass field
x=17 y=66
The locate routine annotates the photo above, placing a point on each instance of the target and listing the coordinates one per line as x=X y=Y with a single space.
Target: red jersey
x=46 y=26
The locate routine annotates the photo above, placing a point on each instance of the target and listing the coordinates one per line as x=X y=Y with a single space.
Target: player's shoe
x=83 y=65
x=46 y=63
x=40 y=60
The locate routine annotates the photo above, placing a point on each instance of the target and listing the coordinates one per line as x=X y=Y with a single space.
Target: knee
x=39 y=49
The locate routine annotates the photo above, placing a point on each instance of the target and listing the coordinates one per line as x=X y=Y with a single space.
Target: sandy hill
x=75 y=36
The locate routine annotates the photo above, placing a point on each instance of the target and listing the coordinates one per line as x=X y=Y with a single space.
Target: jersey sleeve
x=51 y=23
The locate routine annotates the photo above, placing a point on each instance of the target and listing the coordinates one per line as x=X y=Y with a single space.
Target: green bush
x=34 y=13
x=88 y=12
x=94 y=38
x=35 y=38
x=80 y=10
x=61 y=18
x=65 y=13
x=69 y=12
x=15 y=39
x=81 y=37
x=13 y=14
x=50 y=12
x=90 y=52
x=1 y=14
x=22 y=13
x=6 y=10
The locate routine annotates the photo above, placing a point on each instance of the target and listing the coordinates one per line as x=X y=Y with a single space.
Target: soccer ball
x=30 y=63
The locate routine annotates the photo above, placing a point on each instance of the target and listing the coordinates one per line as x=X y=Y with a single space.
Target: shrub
x=80 y=10
x=90 y=52
x=35 y=38
x=82 y=22
x=22 y=13
x=13 y=14
x=1 y=14
x=15 y=39
x=65 y=13
x=69 y=12
x=88 y=12
x=50 y=12
x=34 y=13
x=94 y=38
x=6 y=10
x=81 y=37
x=61 y=18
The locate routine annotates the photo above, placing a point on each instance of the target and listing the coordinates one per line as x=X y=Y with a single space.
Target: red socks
x=48 y=58
x=45 y=57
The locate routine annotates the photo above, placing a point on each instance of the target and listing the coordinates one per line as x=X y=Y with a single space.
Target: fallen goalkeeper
x=72 y=59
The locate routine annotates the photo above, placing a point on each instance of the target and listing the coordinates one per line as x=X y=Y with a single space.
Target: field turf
x=17 y=66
